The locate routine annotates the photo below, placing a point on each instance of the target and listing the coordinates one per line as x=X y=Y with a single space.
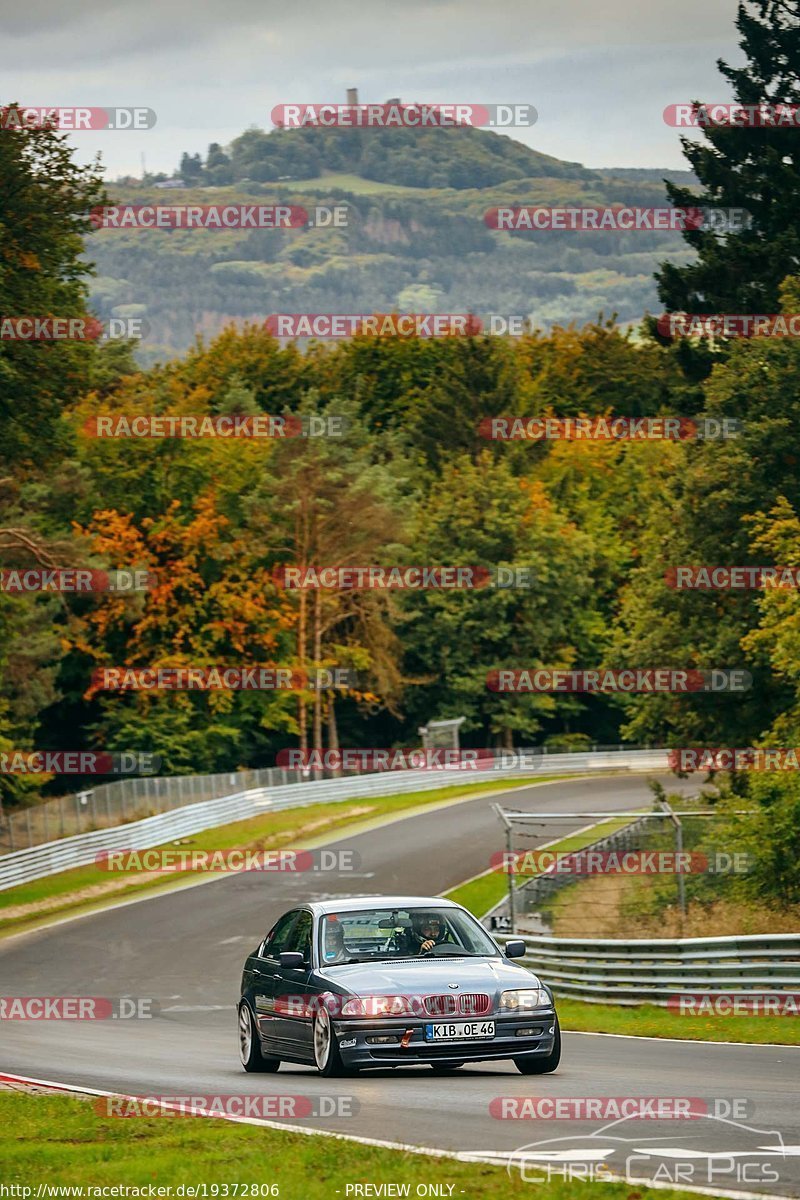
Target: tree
x=44 y=203
x=757 y=169
x=478 y=514
x=191 y=168
x=704 y=516
x=328 y=502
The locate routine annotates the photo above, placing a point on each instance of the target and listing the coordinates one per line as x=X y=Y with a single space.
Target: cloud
x=598 y=74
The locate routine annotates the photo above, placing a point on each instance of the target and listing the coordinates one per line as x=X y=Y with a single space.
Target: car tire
x=326 y=1052
x=249 y=1045
x=541 y=1064
x=445 y=1068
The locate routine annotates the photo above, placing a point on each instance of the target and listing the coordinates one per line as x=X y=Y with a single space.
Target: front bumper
x=515 y=1036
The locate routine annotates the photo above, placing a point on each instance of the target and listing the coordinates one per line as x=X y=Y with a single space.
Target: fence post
x=512 y=915
x=679 y=860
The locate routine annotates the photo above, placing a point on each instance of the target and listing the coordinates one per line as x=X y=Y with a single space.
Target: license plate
x=459 y=1031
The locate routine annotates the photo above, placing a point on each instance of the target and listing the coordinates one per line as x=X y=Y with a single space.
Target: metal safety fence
x=47 y=858
x=658 y=971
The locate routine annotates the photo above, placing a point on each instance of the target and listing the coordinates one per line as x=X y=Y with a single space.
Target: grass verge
x=60 y=1140
x=648 y=1020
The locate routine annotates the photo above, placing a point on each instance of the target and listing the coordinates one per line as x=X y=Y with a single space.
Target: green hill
x=440 y=158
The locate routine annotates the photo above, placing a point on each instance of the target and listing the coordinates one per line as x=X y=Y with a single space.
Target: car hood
x=415 y=977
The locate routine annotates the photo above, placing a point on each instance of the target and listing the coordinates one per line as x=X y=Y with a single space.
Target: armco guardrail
x=22 y=866
x=642 y=971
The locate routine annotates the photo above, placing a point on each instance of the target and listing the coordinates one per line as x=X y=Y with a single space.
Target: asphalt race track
x=185 y=949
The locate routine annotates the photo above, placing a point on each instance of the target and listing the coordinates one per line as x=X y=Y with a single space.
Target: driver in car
x=335 y=950
x=426 y=932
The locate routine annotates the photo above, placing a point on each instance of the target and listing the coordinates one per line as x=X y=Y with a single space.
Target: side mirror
x=514 y=949
x=292 y=959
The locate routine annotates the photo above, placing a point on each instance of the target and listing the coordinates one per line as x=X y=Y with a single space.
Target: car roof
x=353 y=903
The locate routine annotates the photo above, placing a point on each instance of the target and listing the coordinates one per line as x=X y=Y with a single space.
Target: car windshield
x=393 y=933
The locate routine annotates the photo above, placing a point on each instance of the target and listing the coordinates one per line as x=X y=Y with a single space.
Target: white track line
x=646 y=1037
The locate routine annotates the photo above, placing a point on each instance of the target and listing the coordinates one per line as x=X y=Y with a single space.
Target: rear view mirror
x=515 y=949
x=292 y=959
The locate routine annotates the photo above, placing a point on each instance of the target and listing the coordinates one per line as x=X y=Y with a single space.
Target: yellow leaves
x=536 y=493
x=29 y=260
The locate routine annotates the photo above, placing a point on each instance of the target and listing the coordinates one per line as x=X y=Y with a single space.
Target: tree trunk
x=333 y=732
x=302 y=714
x=317 y=733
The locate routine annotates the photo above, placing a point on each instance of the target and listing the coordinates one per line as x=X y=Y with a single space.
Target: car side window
x=276 y=939
x=299 y=938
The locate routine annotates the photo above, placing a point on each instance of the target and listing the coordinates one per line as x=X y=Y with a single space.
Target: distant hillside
x=406 y=247
x=653 y=174
x=433 y=158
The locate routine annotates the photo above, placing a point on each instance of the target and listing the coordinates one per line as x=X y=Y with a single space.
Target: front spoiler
x=357 y=1051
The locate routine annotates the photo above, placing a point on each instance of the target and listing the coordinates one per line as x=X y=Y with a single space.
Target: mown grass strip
x=61 y=1140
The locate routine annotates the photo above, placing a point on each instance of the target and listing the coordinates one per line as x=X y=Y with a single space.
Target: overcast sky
x=599 y=72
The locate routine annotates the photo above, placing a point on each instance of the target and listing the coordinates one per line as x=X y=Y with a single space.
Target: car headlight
x=377 y=1006
x=353 y=1008
x=524 y=1001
